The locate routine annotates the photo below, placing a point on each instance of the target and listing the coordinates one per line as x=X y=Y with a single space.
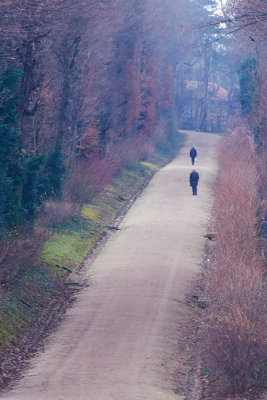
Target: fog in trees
x=92 y=77
x=88 y=87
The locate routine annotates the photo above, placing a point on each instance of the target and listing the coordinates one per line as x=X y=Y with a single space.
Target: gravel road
x=120 y=339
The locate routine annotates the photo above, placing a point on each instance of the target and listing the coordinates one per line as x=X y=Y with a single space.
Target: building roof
x=216 y=91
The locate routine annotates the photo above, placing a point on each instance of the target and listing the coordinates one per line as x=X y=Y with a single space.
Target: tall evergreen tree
x=9 y=157
x=248 y=85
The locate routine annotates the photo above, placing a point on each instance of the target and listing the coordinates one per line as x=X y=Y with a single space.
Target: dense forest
x=91 y=83
x=90 y=87
x=83 y=84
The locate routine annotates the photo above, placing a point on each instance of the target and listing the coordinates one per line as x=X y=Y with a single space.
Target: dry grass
x=56 y=213
x=18 y=252
x=234 y=332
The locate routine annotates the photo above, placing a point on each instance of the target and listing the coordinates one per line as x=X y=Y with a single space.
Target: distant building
x=204 y=107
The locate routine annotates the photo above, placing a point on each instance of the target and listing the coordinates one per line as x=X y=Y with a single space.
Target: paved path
x=119 y=339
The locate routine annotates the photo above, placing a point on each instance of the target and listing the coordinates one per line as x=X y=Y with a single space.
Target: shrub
x=236 y=343
x=235 y=325
x=87 y=178
x=56 y=213
x=129 y=151
x=19 y=251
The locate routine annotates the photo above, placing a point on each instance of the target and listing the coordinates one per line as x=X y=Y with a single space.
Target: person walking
x=194 y=178
x=193 y=154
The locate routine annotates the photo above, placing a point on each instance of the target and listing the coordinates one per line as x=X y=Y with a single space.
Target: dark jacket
x=193 y=152
x=194 y=177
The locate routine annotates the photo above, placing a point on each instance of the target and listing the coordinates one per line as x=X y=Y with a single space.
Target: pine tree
x=55 y=171
x=9 y=199
x=30 y=191
x=248 y=85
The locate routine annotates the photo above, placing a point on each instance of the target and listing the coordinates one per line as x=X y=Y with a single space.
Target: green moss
x=149 y=165
x=91 y=212
x=5 y=337
x=10 y=323
x=137 y=167
x=85 y=227
x=65 y=250
x=109 y=188
x=36 y=286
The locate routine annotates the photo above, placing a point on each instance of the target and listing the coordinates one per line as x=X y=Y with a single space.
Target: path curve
x=119 y=339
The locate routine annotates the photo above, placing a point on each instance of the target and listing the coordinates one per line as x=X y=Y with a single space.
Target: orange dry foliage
x=89 y=142
x=235 y=327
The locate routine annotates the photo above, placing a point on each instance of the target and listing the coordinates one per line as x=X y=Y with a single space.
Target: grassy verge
x=36 y=292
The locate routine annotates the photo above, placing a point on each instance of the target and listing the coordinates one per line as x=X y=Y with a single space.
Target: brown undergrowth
x=231 y=338
x=41 y=266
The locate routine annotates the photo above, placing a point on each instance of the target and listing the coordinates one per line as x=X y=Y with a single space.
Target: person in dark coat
x=194 y=178
x=193 y=154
